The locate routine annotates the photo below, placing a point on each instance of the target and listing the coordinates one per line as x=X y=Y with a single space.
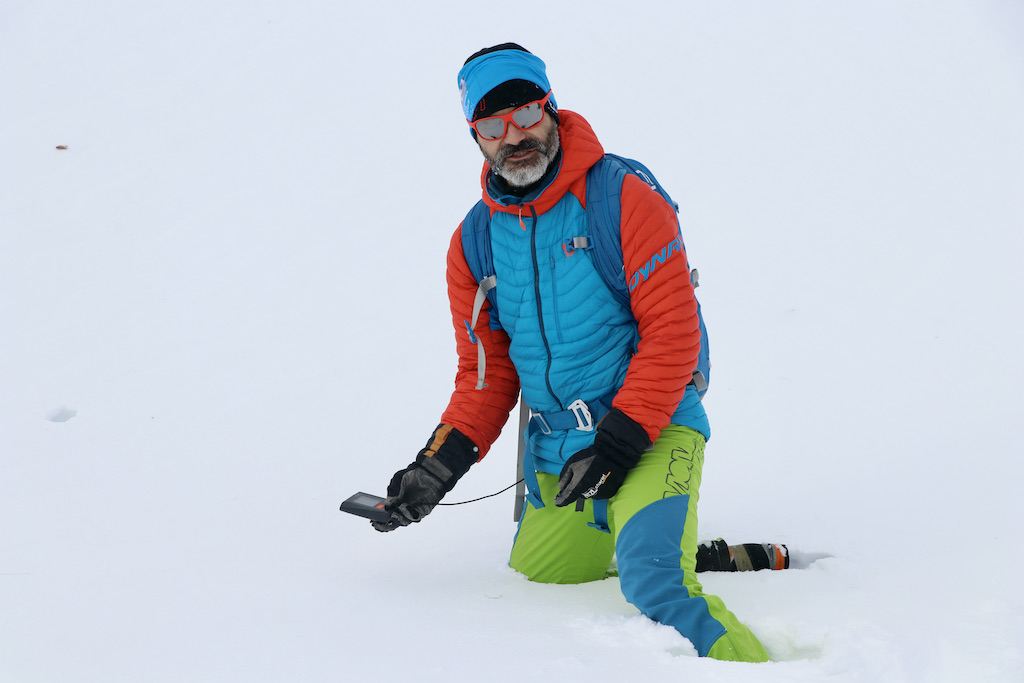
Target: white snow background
x=222 y=311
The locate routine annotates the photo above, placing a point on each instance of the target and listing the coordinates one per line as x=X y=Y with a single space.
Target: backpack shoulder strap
x=604 y=213
x=476 y=246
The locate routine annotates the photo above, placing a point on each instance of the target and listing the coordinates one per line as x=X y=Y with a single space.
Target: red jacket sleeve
x=478 y=413
x=663 y=304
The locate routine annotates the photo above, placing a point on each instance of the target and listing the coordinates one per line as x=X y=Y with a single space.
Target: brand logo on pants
x=680 y=471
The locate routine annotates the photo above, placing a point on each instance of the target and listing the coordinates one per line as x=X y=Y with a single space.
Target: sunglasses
x=524 y=118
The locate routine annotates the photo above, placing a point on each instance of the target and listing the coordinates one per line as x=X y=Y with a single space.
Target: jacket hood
x=580 y=150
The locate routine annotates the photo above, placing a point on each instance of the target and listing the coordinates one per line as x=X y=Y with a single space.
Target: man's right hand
x=416 y=490
x=412 y=494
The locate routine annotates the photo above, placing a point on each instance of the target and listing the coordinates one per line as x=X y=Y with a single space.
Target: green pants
x=652 y=532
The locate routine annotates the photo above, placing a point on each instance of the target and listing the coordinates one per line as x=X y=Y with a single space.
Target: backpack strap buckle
x=538 y=419
x=584 y=420
x=576 y=416
x=570 y=245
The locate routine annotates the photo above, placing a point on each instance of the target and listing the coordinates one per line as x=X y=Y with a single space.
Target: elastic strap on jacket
x=487 y=284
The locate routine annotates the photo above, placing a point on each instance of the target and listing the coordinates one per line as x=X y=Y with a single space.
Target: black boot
x=719 y=556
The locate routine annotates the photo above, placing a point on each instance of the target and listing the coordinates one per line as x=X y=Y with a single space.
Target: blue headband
x=488 y=71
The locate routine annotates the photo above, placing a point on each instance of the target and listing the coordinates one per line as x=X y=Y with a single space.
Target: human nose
x=514 y=134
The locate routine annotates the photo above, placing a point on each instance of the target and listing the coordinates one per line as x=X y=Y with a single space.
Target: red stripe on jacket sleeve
x=480 y=414
x=664 y=306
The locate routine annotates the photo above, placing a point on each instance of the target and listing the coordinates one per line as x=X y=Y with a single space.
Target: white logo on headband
x=463 y=92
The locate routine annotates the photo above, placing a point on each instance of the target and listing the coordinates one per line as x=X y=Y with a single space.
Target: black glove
x=599 y=470
x=414 y=491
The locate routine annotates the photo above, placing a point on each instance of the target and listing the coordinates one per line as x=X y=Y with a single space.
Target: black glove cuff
x=448 y=455
x=621 y=438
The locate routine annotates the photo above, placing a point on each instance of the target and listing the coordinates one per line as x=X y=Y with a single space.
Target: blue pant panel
x=652 y=576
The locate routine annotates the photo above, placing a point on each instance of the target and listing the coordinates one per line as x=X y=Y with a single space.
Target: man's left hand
x=599 y=470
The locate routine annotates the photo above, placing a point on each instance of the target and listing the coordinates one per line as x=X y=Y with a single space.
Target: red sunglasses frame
x=507 y=118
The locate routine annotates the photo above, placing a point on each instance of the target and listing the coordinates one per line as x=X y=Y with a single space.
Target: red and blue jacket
x=563 y=335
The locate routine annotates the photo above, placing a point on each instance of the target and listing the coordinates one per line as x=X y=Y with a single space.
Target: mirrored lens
x=529 y=115
x=490 y=128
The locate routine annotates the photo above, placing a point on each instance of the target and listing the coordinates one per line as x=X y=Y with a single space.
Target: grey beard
x=523 y=175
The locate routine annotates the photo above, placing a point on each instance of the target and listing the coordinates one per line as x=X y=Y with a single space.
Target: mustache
x=524 y=146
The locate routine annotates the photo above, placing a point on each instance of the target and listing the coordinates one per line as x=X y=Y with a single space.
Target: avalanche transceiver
x=366 y=505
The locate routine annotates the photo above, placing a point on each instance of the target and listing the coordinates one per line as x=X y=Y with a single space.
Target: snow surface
x=222 y=311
